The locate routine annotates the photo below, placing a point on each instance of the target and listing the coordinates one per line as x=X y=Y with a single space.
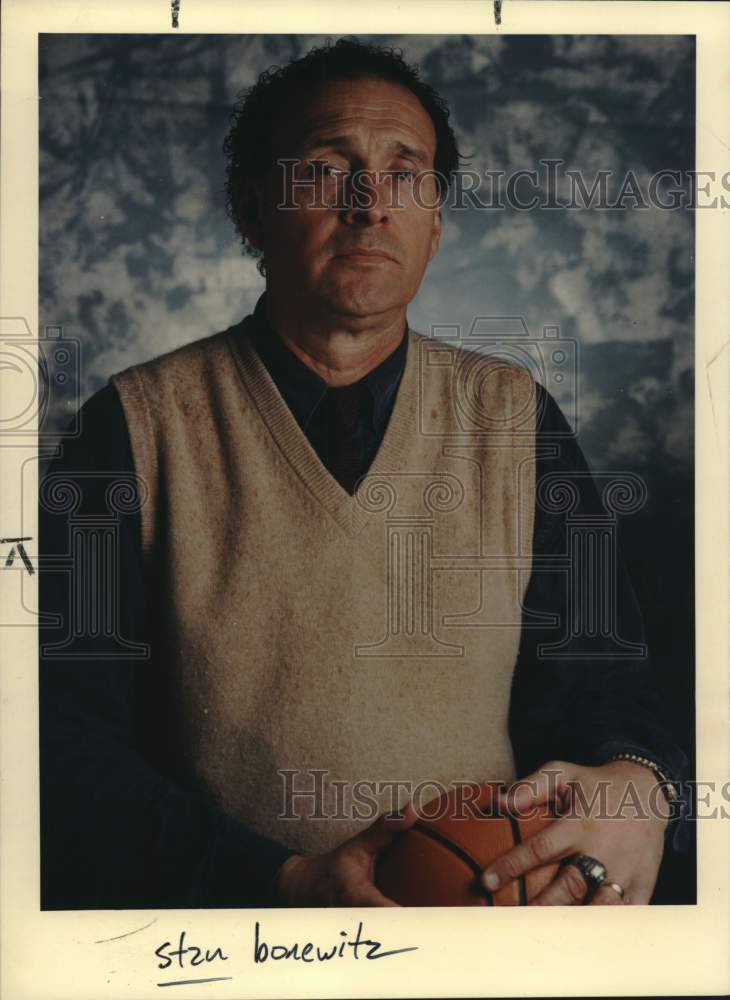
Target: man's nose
x=367 y=197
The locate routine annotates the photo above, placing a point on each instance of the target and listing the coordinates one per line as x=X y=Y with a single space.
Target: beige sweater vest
x=370 y=637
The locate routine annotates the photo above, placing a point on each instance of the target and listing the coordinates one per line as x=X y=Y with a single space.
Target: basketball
x=439 y=860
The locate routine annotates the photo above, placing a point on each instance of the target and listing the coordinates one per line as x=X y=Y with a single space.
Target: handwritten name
x=186 y=954
x=310 y=952
x=181 y=955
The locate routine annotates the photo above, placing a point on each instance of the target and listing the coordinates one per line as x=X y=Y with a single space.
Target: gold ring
x=616 y=888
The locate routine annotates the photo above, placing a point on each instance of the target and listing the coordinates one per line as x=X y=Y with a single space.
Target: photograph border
x=620 y=951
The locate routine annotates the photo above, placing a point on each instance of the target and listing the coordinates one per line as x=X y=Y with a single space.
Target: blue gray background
x=137 y=255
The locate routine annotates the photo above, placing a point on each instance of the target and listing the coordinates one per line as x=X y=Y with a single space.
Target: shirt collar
x=303 y=390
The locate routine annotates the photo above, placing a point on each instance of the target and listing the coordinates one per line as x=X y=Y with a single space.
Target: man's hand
x=624 y=829
x=343 y=876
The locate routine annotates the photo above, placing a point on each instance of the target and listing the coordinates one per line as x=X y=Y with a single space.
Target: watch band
x=668 y=787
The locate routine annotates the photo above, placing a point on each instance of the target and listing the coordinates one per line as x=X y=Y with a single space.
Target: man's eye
x=404 y=174
x=328 y=170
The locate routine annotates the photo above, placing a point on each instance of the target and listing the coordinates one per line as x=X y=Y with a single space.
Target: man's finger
x=606 y=896
x=536 y=788
x=385 y=828
x=370 y=896
x=549 y=845
x=569 y=888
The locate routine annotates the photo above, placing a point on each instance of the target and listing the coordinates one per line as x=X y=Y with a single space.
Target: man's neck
x=339 y=352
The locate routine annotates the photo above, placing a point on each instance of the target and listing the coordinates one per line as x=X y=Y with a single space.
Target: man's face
x=357 y=128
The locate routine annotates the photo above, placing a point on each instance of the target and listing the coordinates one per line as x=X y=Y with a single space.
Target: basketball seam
x=517 y=837
x=460 y=853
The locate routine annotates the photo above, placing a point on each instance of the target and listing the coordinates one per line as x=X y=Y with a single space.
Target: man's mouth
x=360 y=254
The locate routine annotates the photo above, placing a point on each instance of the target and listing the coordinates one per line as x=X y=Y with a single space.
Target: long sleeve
x=582 y=703
x=117 y=829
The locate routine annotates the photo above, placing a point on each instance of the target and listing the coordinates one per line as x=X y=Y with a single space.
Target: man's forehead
x=341 y=108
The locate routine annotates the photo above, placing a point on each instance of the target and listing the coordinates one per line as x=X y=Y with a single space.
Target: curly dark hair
x=248 y=146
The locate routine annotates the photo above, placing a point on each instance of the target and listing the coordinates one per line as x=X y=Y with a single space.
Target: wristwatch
x=671 y=793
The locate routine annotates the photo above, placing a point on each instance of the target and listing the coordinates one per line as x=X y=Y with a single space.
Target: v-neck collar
x=303 y=390
x=351 y=512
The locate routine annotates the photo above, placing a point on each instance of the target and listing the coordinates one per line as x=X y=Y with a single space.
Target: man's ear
x=248 y=216
x=435 y=235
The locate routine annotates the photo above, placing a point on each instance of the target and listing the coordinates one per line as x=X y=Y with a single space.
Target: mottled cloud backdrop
x=137 y=255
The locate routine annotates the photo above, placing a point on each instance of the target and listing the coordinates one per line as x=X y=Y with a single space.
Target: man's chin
x=359 y=303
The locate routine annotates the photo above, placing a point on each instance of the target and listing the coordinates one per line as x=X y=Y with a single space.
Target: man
x=293 y=502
